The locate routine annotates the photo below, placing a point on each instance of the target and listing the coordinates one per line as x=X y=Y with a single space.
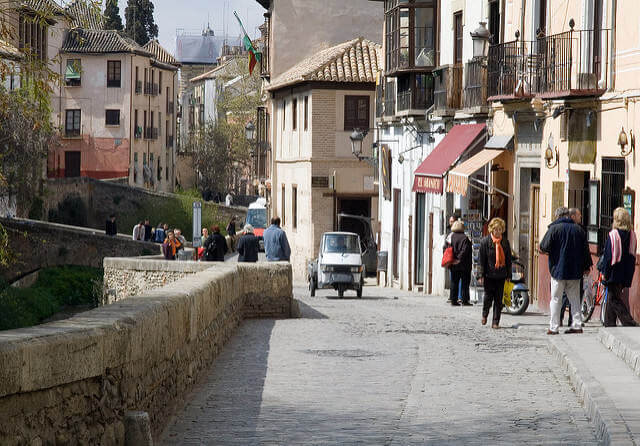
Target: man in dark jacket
x=248 y=246
x=569 y=258
x=461 y=271
x=215 y=247
x=111 y=227
x=147 y=230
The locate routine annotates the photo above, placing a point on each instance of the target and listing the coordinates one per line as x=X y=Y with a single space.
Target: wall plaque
x=320 y=182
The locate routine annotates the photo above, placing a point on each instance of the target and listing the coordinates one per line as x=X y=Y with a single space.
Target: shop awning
x=71 y=73
x=429 y=175
x=502 y=142
x=458 y=180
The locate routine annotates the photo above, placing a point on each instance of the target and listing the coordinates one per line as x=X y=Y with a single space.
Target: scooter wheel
x=519 y=302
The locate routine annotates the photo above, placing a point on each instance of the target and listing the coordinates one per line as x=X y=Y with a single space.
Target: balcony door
x=597 y=38
x=458 y=38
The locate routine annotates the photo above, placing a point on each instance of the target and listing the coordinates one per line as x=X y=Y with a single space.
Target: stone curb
x=622 y=346
x=610 y=427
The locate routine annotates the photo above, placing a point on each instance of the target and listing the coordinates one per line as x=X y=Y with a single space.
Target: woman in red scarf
x=494 y=267
x=170 y=246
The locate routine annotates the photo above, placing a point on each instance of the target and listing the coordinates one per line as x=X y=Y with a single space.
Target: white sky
x=192 y=16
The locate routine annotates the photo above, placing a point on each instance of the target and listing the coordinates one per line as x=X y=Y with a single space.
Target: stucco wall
x=72 y=381
x=299 y=29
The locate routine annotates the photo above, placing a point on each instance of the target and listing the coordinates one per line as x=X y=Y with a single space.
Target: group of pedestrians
x=567 y=247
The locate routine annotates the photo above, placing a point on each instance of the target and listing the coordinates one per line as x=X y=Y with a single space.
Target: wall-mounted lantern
x=551 y=155
x=480 y=38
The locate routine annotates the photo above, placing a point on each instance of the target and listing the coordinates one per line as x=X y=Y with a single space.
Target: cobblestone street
x=393 y=368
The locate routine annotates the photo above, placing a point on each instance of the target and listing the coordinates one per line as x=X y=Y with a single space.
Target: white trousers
x=572 y=289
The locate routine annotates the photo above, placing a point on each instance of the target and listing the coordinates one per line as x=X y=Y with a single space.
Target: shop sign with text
x=427 y=184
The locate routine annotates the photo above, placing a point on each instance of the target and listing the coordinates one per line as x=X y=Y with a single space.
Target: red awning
x=428 y=176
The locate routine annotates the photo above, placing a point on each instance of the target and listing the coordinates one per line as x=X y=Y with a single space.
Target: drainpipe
x=612 y=50
x=131 y=123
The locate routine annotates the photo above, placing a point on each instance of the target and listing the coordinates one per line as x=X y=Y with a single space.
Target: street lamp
x=480 y=38
x=250 y=131
x=357 y=137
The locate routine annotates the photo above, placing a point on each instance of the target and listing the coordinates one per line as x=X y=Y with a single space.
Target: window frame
x=283 y=219
x=114 y=76
x=294 y=206
x=77 y=64
x=294 y=113
x=355 y=122
x=106 y=117
x=73 y=132
x=306 y=113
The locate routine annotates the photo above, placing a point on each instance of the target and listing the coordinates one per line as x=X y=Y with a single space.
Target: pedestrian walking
x=170 y=246
x=248 y=246
x=215 y=247
x=111 y=227
x=138 y=232
x=447 y=242
x=566 y=244
x=160 y=235
x=231 y=233
x=147 y=230
x=228 y=200
x=276 y=245
x=576 y=215
x=494 y=267
x=461 y=270
x=617 y=266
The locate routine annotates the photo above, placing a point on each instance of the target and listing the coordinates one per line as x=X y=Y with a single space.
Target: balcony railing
x=170 y=141
x=447 y=95
x=151 y=133
x=138 y=132
x=475 y=84
x=138 y=87
x=414 y=99
x=170 y=108
x=148 y=88
x=155 y=91
x=572 y=63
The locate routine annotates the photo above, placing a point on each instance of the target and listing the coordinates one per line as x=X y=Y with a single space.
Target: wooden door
x=420 y=227
x=430 y=254
x=534 y=240
x=72 y=162
x=397 y=214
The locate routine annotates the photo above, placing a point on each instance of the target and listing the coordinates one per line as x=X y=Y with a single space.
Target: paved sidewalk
x=394 y=368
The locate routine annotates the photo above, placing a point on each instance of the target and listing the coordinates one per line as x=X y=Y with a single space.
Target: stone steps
x=604 y=372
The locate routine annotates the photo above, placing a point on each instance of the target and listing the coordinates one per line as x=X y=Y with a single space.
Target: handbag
x=448 y=259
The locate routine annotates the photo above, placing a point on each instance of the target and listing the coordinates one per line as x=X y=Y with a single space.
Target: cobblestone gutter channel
x=71 y=381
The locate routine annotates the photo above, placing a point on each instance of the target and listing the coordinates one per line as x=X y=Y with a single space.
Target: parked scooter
x=520 y=292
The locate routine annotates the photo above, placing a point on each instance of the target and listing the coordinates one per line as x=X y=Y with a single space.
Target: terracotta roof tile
x=354 y=61
x=160 y=54
x=84 y=16
x=100 y=41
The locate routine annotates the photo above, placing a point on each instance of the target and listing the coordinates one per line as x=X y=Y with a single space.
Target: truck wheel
x=312 y=287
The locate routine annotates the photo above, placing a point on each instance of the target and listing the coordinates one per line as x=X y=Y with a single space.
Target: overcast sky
x=192 y=15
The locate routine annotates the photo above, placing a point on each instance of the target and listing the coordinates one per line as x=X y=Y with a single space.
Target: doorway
x=397 y=214
x=72 y=164
x=534 y=240
x=419 y=238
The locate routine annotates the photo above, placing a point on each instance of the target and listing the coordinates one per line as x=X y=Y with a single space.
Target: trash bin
x=383 y=257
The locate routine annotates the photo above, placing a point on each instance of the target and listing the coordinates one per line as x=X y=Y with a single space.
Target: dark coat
x=248 y=247
x=215 y=247
x=621 y=272
x=487 y=259
x=111 y=227
x=566 y=244
x=461 y=250
x=147 y=233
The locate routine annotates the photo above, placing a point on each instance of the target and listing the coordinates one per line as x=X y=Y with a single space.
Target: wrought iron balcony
x=138 y=87
x=447 y=89
x=572 y=63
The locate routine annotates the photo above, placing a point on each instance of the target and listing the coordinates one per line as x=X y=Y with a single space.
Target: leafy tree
x=140 y=26
x=222 y=144
x=112 y=19
x=26 y=130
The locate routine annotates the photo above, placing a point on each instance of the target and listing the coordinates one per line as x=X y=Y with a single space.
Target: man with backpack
x=215 y=247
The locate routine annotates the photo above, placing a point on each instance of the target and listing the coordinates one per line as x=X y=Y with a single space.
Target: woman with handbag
x=458 y=249
x=617 y=265
x=494 y=267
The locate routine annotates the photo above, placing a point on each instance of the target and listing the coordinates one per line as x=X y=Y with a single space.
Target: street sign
x=197 y=224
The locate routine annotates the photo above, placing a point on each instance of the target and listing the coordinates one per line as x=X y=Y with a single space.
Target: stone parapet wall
x=71 y=381
x=36 y=244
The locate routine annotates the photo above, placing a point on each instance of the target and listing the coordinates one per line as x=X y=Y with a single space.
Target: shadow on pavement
x=308 y=312
x=231 y=391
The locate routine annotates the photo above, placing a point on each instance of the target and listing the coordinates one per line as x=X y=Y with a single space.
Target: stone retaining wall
x=71 y=381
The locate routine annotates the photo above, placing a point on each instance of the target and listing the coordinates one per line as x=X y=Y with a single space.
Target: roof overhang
x=266 y=4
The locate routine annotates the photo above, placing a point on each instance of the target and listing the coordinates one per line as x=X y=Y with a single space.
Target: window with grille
x=356 y=112
x=112 y=117
x=72 y=123
x=113 y=73
x=612 y=186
